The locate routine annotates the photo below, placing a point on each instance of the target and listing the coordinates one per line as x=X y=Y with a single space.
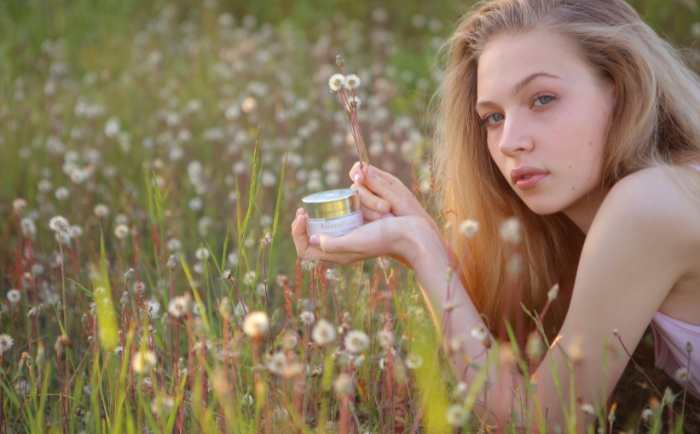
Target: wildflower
x=460 y=391
x=290 y=340
x=688 y=348
x=249 y=277
x=152 y=307
x=177 y=307
x=479 y=332
x=309 y=263
x=336 y=82
x=646 y=414
x=356 y=341
x=266 y=240
x=14 y=296
x=385 y=337
x=323 y=333
x=62 y=193
x=28 y=227
x=129 y=274
x=59 y=224
x=172 y=262
x=533 y=347
x=510 y=231
x=552 y=293
x=575 y=350
x=124 y=300
x=588 y=409
x=414 y=361
x=353 y=103
x=456 y=415
x=343 y=385
x=307 y=318
x=201 y=253
x=121 y=231
x=34 y=311
x=19 y=205
x=162 y=404
x=174 y=244
x=101 y=210
x=277 y=363
x=352 y=82
x=143 y=362
x=682 y=375
x=6 y=343
x=256 y=324
x=469 y=228
x=241 y=310
x=248 y=400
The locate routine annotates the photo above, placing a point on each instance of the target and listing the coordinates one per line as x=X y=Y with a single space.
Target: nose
x=515 y=138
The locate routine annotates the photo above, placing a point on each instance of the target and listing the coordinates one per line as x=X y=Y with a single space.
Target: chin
x=543 y=207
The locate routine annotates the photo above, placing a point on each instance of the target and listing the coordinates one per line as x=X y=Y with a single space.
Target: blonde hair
x=655 y=122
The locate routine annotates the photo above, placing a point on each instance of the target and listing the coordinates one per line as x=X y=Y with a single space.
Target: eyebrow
x=521 y=84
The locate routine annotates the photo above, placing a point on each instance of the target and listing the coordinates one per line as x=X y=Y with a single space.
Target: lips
x=523 y=173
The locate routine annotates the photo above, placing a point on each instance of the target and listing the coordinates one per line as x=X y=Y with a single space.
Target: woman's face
x=546 y=115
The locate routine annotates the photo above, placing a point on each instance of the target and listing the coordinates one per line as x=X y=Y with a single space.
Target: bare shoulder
x=652 y=204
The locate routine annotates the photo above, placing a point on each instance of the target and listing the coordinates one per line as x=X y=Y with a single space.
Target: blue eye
x=544 y=99
x=496 y=117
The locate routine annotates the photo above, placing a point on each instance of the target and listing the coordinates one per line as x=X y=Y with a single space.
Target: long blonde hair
x=655 y=122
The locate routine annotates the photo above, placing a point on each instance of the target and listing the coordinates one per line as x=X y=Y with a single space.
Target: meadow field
x=152 y=157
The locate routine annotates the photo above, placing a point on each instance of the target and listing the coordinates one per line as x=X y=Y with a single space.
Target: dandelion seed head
x=356 y=341
x=352 y=81
x=201 y=253
x=588 y=409
x=480 y=333
x=456 y=415
x=101 y=210
x=290 y=340
x=323 y=333
x=19 y=205
x=152 y=307
x=14 y=296
x=256 y=324
x=307 y=318
x=414 y=361
x=385 y=337
x=143 y=362
x=308 y=263
x=343 y=385
x=469 y=228
x=121 y=231
x=172 y=262
x=6 y=343
x=682 y=375
x=336 y=82
x=59 y=224
x=510 y=231
x=277 y=363
x=178 y=306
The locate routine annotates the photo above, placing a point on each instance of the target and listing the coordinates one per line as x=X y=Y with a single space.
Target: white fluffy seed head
x=256 y=324
x=352 y=81
x=323 y=333
x=469 y=228
x=336 y=82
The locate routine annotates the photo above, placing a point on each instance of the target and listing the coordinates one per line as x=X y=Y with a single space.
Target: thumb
x=325 y=242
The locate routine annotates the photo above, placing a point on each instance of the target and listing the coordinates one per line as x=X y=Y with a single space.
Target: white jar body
x=335 y=226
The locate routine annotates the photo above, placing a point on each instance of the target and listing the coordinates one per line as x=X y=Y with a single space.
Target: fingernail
x=382 y=207
x=370 y=172
x=357 y=178
x=313 y=239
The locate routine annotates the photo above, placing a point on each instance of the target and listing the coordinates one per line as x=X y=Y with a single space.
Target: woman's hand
x=396 y=237
x=384 y=195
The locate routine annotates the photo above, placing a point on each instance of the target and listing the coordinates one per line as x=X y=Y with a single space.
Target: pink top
x=671 y=337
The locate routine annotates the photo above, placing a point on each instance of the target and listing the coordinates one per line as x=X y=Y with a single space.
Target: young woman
x=575 y=118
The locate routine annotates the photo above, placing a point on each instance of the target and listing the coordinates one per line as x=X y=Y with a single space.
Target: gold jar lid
x=331 y=203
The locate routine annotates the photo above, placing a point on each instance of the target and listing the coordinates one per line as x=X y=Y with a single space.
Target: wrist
x=421 y=246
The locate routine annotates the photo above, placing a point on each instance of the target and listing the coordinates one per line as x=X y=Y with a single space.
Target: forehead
x=507 y=59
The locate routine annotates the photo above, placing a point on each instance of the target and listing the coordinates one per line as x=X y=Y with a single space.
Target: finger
x=370 y=215
x=356 y=174
x=371 y=200
x=378 y=185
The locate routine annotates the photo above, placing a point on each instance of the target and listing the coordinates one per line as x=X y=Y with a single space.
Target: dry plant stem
x=63 y=284
x=685 y=388
x=170 y=325
x=619 y=338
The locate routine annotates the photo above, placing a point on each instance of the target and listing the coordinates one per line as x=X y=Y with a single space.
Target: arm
x=640 y=244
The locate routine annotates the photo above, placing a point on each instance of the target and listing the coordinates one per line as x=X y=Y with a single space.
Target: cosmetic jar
x=333 y=212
